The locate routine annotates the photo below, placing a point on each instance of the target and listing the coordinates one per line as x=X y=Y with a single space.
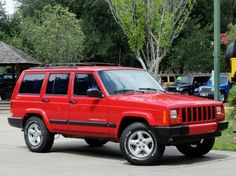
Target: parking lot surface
x=73 y=157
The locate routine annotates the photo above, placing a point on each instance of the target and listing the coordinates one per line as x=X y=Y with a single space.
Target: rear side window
x=172 y=79
x=83 y=82
x=58 y=84
x=32 y=83
x=164 y=79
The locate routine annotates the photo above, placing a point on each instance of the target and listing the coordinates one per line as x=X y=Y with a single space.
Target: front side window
x=58 y=84
x=223 y=80
x=184 y=80
x=129 y=81
x=32 y=83
x=83 y=82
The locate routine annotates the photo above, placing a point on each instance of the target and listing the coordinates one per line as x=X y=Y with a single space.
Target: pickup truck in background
x=207 y=90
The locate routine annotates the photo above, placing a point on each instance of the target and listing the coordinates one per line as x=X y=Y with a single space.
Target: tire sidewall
x=28 y=124
x=154 y=155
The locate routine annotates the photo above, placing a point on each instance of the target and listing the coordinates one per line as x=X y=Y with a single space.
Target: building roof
x=10 y=55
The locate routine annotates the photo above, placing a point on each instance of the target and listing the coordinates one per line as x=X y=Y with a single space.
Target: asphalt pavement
x=73 y=157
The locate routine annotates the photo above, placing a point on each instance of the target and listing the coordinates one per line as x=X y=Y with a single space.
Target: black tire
x=3 y=96
x=44 y=140
x=156 y=150
x=196 y=149
x=223 y=96
x=186 y=93
x=95 y=142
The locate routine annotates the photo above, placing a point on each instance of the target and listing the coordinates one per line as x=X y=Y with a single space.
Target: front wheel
x=139 y=145
x=37 y=137
x=196 y=149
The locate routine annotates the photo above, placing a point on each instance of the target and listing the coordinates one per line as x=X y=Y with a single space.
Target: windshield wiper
x=147 y=88
x=124 y=91
x=152 y=89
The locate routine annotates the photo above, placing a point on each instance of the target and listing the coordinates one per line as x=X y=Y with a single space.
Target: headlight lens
x=173 y=114
x=218 y=110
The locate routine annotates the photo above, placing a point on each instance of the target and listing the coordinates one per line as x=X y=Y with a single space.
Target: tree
x=105 y=41
x=192 y=52
x=55 y=36
x=3 y=21
x=151 y=26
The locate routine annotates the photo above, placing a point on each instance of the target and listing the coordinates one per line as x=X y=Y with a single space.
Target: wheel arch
x=128 y=120
x=37 y=113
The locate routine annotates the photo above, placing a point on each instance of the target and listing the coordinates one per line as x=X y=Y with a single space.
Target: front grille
x=198 y=114
x=207 y=90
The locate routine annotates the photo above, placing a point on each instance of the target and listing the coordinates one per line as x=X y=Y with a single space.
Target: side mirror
x=94 y=93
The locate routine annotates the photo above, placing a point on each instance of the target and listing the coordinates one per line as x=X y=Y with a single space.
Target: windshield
x=128 y=81
x=184 y=80
x=223 y=80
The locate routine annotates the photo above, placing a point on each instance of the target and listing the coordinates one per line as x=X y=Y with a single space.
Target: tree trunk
x=139 y=58
x=154 y=66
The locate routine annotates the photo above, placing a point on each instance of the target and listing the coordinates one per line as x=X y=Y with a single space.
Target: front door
x=87 y=115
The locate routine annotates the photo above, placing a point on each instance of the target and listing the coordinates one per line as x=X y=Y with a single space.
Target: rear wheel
x=95 y=142
x=222 y=97
x=196 y=149
x=139 y=145
x=37 y=137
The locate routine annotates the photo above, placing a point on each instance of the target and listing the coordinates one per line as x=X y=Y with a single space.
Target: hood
x=166 y=100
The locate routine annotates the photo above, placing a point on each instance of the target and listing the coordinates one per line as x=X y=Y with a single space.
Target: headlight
x=173 y=114
x=218 y=110
x=179 y=89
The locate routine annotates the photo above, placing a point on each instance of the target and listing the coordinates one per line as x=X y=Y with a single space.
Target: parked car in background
x=207 y=90
x=187 y=83
x=166 y=79
x=6 y=86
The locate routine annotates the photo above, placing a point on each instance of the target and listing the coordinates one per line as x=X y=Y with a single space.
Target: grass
x=225 y=142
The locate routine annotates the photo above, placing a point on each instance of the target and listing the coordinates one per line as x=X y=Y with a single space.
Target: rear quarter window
x=32 y=84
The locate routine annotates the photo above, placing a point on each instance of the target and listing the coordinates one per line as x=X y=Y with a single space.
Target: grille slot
x=184 y=115
x=198 y=114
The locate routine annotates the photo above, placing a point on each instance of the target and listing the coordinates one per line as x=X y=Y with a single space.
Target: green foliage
x=3 y=21
x=232 y=96
x=54 y=36
x=225 y=142
x=231 y=33
x=150 y=26
x=105 y=41
x=192 y=52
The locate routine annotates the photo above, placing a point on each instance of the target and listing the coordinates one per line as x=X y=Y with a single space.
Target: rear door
x=87 y=115
x=55 y=100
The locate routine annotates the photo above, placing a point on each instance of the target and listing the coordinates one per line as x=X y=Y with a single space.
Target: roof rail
x=63 y=65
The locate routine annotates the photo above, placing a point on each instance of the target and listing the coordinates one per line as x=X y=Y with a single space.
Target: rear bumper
x=15 y=122
x=188 y=133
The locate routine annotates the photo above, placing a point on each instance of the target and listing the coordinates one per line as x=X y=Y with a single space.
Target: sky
x=10 y=6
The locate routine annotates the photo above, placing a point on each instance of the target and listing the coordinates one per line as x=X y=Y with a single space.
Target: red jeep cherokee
x=108 y=103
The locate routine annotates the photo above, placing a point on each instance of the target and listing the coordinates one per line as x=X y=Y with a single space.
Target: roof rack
x=73 y=65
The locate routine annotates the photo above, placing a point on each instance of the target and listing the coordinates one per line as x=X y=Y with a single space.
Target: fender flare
x=42 y=113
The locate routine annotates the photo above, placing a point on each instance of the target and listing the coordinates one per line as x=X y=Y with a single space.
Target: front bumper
x=188 y=133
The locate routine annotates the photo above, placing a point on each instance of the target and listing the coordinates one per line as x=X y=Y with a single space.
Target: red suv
x=111 y=103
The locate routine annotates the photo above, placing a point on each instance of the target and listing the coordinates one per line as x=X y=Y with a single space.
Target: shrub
x=232 y=96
